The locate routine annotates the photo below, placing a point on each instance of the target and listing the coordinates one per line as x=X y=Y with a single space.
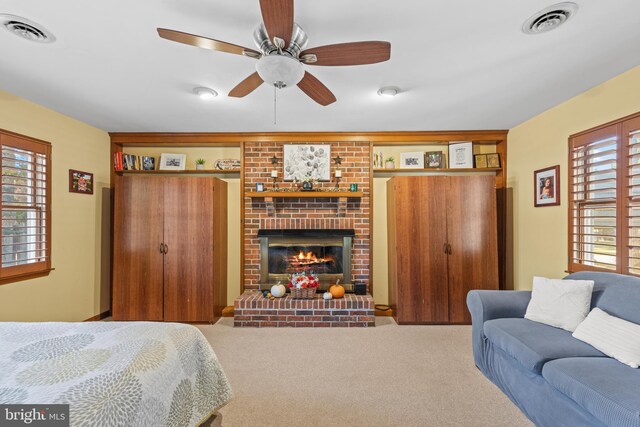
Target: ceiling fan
x=281 y=57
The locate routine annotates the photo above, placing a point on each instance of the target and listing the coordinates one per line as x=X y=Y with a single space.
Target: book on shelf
x=128 y=162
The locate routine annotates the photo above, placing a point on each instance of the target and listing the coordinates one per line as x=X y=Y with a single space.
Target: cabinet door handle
x=449 y=249
x=161 y=248
x=445 y=248
x=166 y=249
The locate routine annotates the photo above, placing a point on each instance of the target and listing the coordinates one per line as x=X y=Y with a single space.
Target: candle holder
x=338 y=182
x=275 y=183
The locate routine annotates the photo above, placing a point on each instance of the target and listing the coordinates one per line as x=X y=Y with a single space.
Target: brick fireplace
x=316 y=214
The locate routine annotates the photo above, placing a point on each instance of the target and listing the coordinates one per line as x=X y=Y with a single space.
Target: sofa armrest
x=487 y=305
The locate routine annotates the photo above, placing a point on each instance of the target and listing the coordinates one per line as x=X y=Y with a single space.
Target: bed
x=113 y=373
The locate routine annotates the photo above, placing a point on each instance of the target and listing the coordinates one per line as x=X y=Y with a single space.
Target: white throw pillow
x=615 y=337
x=560 y=303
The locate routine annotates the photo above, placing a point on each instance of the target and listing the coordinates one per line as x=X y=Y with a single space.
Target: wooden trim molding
x=234 y=139
x=99 y=317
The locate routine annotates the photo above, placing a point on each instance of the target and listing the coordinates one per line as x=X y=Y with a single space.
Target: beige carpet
x=389 y=375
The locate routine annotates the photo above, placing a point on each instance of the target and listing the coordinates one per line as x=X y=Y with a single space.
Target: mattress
x=113 y=373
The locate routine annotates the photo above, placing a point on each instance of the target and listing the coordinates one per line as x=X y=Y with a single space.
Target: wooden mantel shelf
x=270 y=196
x=305 y=194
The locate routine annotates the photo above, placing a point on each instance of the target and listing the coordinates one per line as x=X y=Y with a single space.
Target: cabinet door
x=472 y=236
x=188 y=263
x=420 y=226
x=137 y=261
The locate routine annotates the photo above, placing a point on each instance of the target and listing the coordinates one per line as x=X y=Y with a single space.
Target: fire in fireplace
x=325 y=253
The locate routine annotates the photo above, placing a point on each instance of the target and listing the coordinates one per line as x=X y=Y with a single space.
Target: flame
x=309 y=256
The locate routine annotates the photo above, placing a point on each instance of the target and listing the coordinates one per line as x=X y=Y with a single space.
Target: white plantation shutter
x=631 y=133
x=25 y=207
x=593 y=204
x=604 y=198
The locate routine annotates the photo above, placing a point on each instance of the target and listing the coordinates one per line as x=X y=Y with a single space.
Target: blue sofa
x=555 y=379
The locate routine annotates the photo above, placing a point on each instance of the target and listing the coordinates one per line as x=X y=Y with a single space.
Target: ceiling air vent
x=26 y=29
x=549 y=18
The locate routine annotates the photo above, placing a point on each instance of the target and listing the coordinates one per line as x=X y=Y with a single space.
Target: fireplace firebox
x=325 y=253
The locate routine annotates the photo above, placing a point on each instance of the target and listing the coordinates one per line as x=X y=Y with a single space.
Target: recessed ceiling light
x=550 y=18
x=26 y=29
x=205 y=93
x=389 y=91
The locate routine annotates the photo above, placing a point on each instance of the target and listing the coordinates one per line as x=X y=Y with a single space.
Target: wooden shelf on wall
x=188 y=171
x=305 y=194
x=436 y=170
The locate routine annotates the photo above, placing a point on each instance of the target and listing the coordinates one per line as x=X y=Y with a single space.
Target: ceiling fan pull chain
x=275 y=105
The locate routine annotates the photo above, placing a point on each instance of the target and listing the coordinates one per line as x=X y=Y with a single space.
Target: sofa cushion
x=622 y=301
x=533 y=344
x=604 y=387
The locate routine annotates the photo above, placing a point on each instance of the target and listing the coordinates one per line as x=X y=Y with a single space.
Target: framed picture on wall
x=546 y=183
x=80 y=182
x=307 y=162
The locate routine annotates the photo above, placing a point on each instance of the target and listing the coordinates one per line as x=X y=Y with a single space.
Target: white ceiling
x=461 y=64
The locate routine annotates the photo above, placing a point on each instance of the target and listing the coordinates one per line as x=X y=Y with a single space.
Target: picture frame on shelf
x=493 y=160
x=481 y=161
x=308 y=162
x=434 y=160
x=546 y=184
x=80 y=182
x=148 y=163
x=412 y=160
x=172 y=162
x=461 y=155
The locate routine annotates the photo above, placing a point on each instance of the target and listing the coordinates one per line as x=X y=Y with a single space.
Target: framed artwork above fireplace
x=307 y=162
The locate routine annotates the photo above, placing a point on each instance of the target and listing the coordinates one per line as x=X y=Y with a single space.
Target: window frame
x=21 y=272
x=619 y=129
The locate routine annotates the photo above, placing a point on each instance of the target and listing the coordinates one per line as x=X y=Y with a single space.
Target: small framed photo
x=412 y=160
x=546 y=184
x=80 y=182
x=172 y=162
x=148 y=163
x=493 y=160
x=461 y=154
x=259 y=186
x=433 y=159
x=481 y=161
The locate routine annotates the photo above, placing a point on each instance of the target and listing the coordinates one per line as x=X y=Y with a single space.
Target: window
x=26 y=208
x=604 y=198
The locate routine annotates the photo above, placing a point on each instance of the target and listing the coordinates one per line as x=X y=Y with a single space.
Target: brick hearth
x=252 y=309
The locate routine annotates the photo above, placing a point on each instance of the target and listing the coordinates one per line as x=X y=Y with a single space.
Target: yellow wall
x=211 y=154
x=540 y=234
x=79 y=287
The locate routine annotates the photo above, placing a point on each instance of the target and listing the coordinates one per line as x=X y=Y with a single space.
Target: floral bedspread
x=113 y=373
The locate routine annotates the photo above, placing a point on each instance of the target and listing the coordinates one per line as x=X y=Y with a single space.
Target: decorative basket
x=303 y=293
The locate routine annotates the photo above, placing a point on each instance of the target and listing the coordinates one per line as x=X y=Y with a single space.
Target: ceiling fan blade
x=277 y=16
x=316 y=90
x=356 y=53
x=206 y=43
x=246 y=86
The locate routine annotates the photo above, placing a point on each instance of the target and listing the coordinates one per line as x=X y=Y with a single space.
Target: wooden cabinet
x=442 y=235
x=170 y=239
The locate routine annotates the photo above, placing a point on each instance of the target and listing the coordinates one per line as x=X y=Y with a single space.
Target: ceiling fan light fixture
x=205 y=93
x=280 y=70
x=388 y=91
